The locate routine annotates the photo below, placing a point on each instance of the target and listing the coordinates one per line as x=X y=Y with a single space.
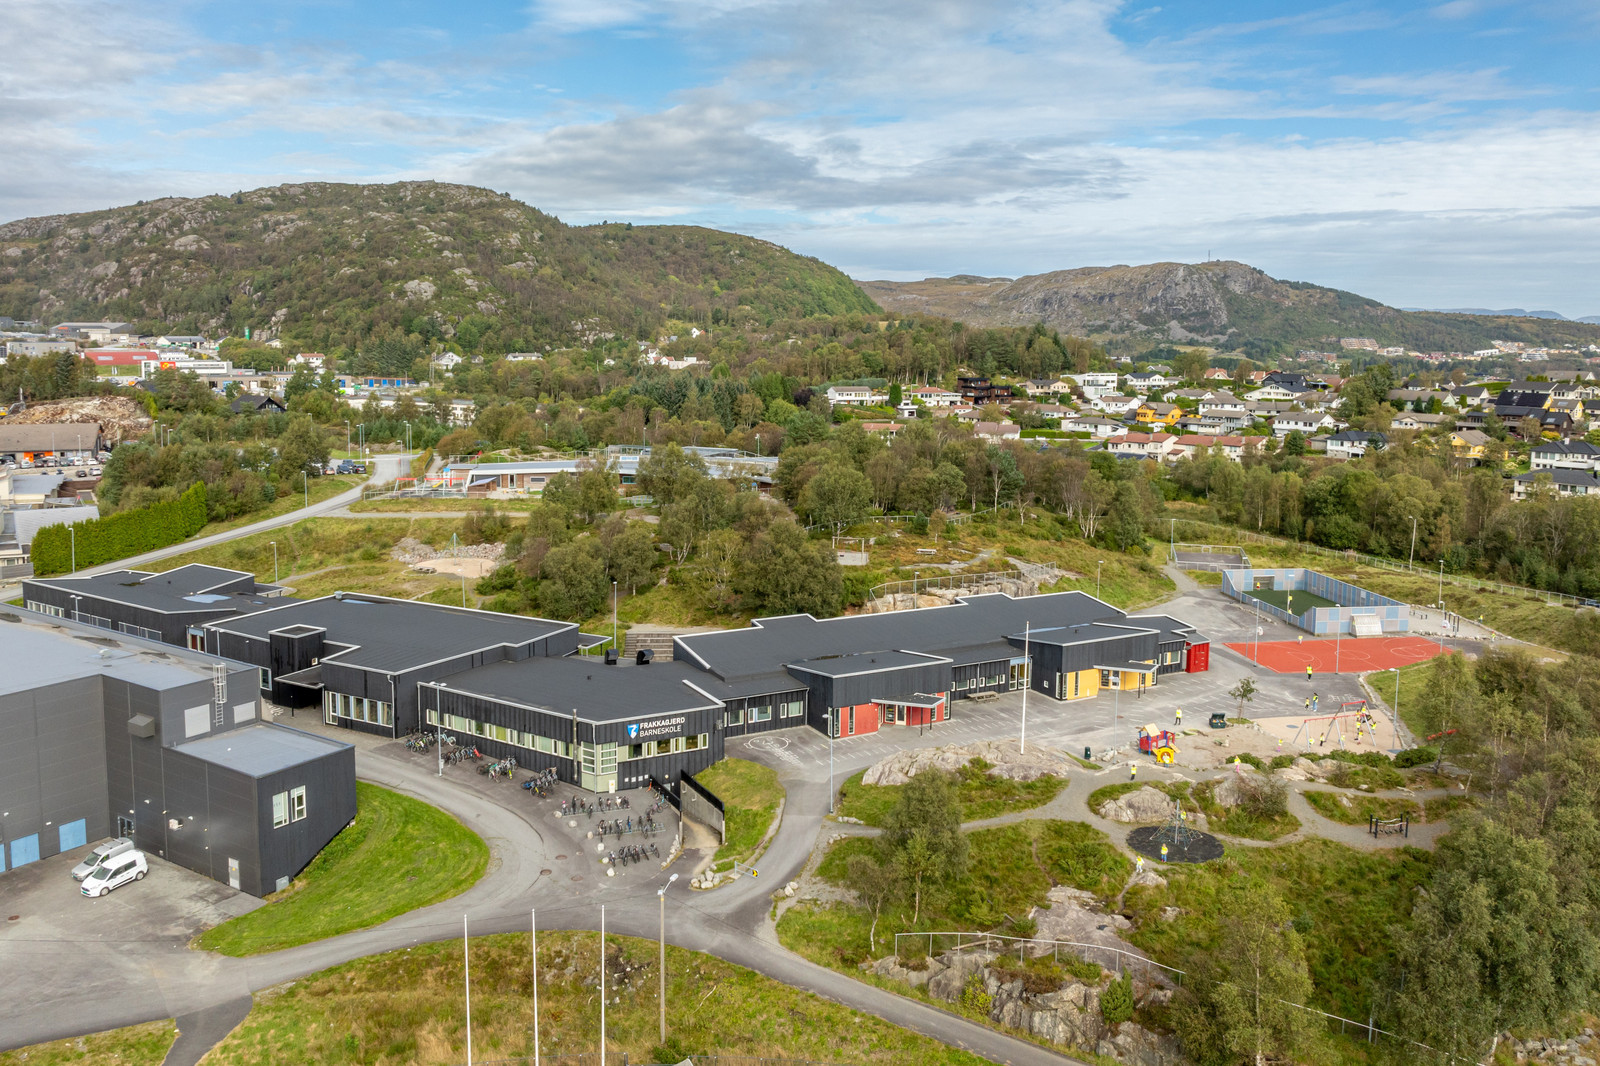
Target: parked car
x=345 y=467
x=358 y=468
x=116 y=873
x=111 y=849
x=80 y=473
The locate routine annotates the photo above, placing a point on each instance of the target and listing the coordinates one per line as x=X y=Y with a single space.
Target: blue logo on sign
x=633 y=731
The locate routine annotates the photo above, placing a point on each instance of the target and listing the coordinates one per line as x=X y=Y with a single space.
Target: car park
x=131 y=866
x=103 y=853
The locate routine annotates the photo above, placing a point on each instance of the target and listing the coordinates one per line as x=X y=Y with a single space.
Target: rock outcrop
x=1002 y=757
x=1141 y=805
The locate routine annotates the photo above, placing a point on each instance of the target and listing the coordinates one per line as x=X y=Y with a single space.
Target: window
x=792 y=708
x=297 y=803
x=694 y=743
x=280 y=810
x=852 y=721
x=734 y=716
x=266 y=678
x=635 y=751
x=761 y=714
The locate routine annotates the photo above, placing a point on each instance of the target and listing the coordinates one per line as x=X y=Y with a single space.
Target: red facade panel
x=1198 y=661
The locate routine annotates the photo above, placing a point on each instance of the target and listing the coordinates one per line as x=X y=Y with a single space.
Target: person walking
x=1177 y=716
x=1163 y=853
x=1133 y=771
x=1308 y=671
x=1138 y=865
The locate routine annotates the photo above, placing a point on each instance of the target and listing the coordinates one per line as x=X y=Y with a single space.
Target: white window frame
x=266 y=678
x=280 y=810
x=297 y=804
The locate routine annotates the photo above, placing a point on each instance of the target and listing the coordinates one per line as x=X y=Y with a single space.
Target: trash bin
x=1086 y=756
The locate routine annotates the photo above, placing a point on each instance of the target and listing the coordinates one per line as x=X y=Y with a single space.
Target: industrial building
x=112 y=735
x=516 y=686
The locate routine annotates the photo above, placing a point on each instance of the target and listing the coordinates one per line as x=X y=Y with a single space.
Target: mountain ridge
x=1221 y=302
x=324 y=264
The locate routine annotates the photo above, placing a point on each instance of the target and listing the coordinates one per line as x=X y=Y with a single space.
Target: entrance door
x=233 y=873
x=1019 y=674
x=124 y=827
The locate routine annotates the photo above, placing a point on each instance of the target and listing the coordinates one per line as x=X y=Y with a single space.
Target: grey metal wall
x=50 y=760
x=330 y=784
x=771 y=699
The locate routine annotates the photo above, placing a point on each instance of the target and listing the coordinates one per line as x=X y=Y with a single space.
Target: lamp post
x=1411 y=559
x=72 y=538
x=1097 y=567
x=1172 y=539
x=1441 y=584
x=833 y=727
x=75 y=613
x=274 y=561
x=1027 y=678
x=305 y=487
x=661 y=897
x=614 y=626
x=603 y=992
x=347 y=436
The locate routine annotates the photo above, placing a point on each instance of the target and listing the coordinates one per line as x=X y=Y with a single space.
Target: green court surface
x=1302 y=601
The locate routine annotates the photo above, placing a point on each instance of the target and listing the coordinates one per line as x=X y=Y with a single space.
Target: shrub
x=102 y=540
x=1405 y=760
x=1263 y=797
x=974 y=997
x=1376 y=759
x=1116 y=1002
x=1280 y=761
x=1251 y=760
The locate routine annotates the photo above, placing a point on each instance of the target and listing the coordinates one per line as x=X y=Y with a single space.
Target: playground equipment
x=1161 y=743
x=1332 y=725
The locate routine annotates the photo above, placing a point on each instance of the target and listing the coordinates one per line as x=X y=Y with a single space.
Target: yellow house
x=1158 y=414
x=1469 y=444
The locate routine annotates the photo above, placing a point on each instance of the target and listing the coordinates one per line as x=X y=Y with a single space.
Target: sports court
x=1296 y=602
x=1353 y=656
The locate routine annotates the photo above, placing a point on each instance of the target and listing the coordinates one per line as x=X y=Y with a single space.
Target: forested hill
x=324 y=265
x=1218 y=301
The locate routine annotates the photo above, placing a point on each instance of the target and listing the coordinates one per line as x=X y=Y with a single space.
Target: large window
x=280 y=810
x=297 y=803
x=266 y=678
x=760 y=714
x=792 y=709
x=356 y=709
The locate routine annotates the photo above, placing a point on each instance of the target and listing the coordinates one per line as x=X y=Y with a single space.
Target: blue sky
x=1431 y=154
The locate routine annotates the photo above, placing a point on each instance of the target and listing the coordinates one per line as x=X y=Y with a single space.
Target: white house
x=1275 y=391
x=1354 y=443
x=1307 y=422
x=524 y=357
x=1149 y=379
x=1100 y=428
x=1147 y=445
x=1234 y=447
x=1049 y=387
x=1563 y=482
x=462 y=412
x=1225 y=404
x=447 y=361
x=932 y=396
x=997 y=431
x=1096 y=383
x=1565 y=455
x=1115 y=405
x=857 y=395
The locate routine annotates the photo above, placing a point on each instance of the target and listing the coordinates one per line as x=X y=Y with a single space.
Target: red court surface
x=1354 y=656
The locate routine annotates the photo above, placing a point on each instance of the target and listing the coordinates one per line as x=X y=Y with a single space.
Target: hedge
x=103 y=540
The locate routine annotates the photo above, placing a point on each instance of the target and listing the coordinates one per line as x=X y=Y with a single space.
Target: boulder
x=1002 y=756
x=954 y=967
x=1141 y=805
x=1069 y=1016
x=892 y=968
x=1138 y=1046
x=1228 y=790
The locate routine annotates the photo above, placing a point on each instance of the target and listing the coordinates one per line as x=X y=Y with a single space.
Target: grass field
x=399 y=855
x=1358 y=809
x=406 y=1007
x=321 y=488
x=136 y=1045
x=980 y=794
x=1236 y=822
x=429 y=503
x=751 y=794
x=1296 y=602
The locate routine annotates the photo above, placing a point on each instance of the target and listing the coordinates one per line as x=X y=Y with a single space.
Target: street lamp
x=75 y=599
x=1172 y=539
x=1441 y=584
x=72 y=537
x=305 y=486
x=1412 y=558
x=274 y=561
x=347 y=436
x=614 y=625
x=661 y=896
x=1097 y=567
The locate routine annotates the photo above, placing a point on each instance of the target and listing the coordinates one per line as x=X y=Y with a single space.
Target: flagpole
x=466 y=978
x=1027 y=682
x=533 y=940
x=602 y=985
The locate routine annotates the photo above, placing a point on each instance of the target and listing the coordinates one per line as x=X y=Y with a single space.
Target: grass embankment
x=399 y=855
x=1359 y=808
x=433 y=503
x=1414 y=681
x=406 y=1006
x=326 y=555
x=750 y=794
x=1347 y=904
x=1009 y=871
x=980 y=794
x=321 y=488
x=1236 y=821
x=136 y=1045
x=1206 y=579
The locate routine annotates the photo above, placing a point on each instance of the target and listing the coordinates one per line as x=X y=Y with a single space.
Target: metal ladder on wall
x=219 y=688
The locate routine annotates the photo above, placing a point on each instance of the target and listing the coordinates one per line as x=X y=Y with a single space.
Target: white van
x=109 y=850
x=115 y=873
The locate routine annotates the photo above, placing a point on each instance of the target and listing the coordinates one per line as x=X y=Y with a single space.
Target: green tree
x=894 y=394
x=782 y=572
x=575 y=584
x=629 y=550
x=597 y=491
x=922 y=833
x=1239 y=1006
x=874 y=883
x=300 y=446
x=1294 y=443
x=837 y=496
x=669 y=473
x=1244 y=692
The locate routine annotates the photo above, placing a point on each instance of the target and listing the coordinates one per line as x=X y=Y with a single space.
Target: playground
x=1295 y=601
x=1352 y=725
x=1348 y=656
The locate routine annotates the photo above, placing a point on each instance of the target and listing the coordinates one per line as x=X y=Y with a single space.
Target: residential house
x=1142 y=445
x=1197 y=395
x=1354 y=443
x=1052 y=410
x=997 y=431
x=1225 y=404
x=1420 y=399
x=1470 y=444
x=855 y=395
x=1278 y=391
x=1561 y=482
x=907 y=409
x=1471 y=395
x=1152 y=413
x=462 y=412
x=315 y=360
x=965 y=413
x=1049 y=387
x=257 y=404
x=1099 y=428
x=980 y=390
x=1216 y=373
x=446 y=361
x=1095 y=383
x=932 y=396
x=1306 y=422
x=1422 y=420
x=1558 y=422
x=1565 y=455
x=523 y=357
x=1115 y=405
x=888 y=429
x=1145 y=381
x=1234 y=447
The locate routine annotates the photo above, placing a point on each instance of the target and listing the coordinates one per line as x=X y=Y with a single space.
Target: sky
x=1435 y=154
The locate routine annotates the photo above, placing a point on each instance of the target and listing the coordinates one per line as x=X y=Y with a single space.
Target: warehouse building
x=516 y=687
x=108 y=735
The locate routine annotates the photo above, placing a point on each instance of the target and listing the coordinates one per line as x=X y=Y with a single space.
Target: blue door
x=24 y=850
x=2 y=856
x=74 y=834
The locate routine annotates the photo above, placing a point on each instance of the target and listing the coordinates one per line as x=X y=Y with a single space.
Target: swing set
x=1334 y=725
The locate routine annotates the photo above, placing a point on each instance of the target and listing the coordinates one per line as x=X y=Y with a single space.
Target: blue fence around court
x=1354 y=601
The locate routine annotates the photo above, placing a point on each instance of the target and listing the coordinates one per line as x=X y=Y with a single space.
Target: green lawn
x=399 y=855
x=750 y=794
x=136 y=1045
x=1361 y=808
x=406 y=1007
x=321 y=488
x=1297 y=602
x=981 y=795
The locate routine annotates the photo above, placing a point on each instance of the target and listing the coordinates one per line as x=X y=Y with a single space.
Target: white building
x=1095 y=384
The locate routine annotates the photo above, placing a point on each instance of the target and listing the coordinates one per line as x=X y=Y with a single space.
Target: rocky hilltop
x=324 y=264
x=1216 y=302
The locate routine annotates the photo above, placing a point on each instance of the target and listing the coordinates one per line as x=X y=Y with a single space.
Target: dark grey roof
x=170 y=591
x=769 y=644
x=261 y=749
x=598 y=692
x=1575 y=447
x=1562 y=477
x=866 y=662
x=1088 y=633
x=397 y=635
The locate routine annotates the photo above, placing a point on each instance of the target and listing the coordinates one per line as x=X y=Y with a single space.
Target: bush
x=1263 y=797
x=103 y=540
x=974 y=997
x=1251 y=760
x=1375 y=759
x=1405 y=760
x=1116 y=1002
x=1280 y=761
